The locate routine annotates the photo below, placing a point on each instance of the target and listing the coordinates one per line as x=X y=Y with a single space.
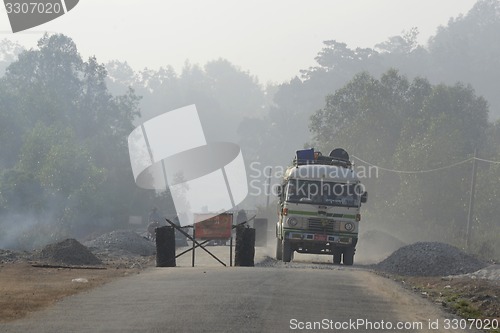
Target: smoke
x=375 y=245
x=18 y=231
x=33 y=229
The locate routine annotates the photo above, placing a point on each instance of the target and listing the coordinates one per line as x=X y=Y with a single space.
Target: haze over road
x=235 y=299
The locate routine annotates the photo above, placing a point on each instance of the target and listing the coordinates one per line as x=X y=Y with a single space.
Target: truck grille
x=323 y=225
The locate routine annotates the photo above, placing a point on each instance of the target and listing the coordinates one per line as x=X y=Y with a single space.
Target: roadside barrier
x=244 y=253
x=165 y=246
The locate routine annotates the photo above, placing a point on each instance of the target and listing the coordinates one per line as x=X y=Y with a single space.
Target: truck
x=319 y=206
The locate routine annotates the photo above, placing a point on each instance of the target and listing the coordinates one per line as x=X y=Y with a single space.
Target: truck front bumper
x=304 y=236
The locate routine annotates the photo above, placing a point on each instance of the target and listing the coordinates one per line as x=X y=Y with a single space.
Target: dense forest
x=419 y=112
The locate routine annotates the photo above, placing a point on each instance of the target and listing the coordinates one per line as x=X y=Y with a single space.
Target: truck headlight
x=292 y=222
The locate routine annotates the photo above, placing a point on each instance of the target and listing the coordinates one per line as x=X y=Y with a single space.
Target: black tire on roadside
x=244 y=252
x=165 y=246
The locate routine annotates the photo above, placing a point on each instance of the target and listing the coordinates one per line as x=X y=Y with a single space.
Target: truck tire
x=287 y=251
x=337 y=256
x=244 y=252
x=349 y=256
x=165 y=247
x=279 y=249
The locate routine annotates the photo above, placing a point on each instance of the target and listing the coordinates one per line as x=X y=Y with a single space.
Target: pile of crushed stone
x=8 y=256
x=122 y=242
x=429 y=259
x=491 y=272
x=68 y=252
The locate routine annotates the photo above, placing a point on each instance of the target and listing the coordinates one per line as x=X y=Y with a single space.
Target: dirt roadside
x=25 y=289
x=466 y=297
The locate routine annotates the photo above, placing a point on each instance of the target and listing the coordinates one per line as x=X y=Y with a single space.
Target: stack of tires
x=165 y=246
x=244 y=252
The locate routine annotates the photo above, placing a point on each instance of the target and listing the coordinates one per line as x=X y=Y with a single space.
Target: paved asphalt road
x=237 y=299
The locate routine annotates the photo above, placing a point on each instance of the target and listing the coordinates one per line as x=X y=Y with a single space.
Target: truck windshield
x=323 y=193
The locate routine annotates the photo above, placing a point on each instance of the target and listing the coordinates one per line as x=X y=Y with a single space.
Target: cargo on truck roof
x=337 y=156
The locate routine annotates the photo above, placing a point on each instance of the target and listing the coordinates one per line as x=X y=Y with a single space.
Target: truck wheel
x=349 y=256
x=287 y=251
x=279 y=249
x=337 y=256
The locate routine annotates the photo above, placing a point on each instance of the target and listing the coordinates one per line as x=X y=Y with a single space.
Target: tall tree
x=8 y=53
x=468 y=50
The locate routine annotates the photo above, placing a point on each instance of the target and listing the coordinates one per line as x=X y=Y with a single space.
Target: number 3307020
x=33 y=8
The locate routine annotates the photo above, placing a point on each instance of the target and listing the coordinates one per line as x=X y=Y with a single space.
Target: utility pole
x=471 y=200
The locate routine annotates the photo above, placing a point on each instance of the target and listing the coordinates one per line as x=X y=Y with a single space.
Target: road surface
x=211 y=298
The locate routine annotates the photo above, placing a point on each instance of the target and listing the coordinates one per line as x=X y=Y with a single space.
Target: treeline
x=223 y=93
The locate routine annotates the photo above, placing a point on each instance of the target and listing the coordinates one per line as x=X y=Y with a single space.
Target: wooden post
x=194 y=237
x=231 y=251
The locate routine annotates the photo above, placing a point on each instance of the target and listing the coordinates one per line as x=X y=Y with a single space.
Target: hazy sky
x=271 y=39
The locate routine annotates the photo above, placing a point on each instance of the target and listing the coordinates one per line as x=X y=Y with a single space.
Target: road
x=210 y=298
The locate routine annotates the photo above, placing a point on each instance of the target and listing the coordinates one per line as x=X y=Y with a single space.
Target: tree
x=238 y=93
x=365 y=115
x=468 y=50
x=400 y=44
x=8 y=53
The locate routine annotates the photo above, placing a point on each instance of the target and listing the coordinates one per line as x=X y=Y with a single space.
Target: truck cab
x=319 y=207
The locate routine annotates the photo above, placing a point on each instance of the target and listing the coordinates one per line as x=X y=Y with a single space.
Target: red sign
x=208 y=226
x=320 y=237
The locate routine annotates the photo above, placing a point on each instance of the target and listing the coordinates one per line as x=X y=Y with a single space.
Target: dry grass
x=466 y=297
x=24 y=289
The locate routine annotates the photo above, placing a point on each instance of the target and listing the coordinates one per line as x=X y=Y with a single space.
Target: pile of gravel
x=7 y=256
x=68 y=252
x=491 y=272
x=429 y=259
x=122 y=242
